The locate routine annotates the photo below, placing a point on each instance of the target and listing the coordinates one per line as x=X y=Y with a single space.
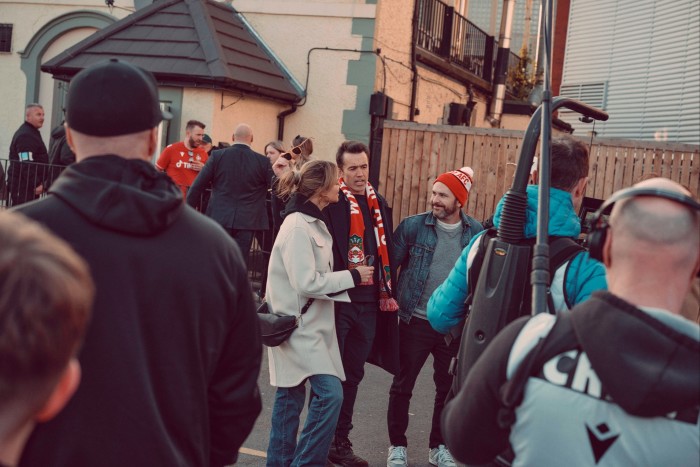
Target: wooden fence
x=413 y=155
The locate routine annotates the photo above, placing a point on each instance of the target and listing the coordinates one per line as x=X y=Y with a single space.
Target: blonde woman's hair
x=314 y=177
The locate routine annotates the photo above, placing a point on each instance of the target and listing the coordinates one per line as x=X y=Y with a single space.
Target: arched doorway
x=62 y=32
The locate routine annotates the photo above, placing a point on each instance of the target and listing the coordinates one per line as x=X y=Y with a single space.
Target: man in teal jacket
x=575 y=280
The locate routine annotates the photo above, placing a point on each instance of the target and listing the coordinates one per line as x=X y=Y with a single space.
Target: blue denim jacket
x=414 y=243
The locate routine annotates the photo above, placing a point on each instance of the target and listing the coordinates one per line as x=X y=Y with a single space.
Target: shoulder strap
x=307 y=306
x=561 y=250
x=511 y=392
x=456 y=331
x=477 y=263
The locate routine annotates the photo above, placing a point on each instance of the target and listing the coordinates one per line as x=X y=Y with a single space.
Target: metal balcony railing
x=449 y=35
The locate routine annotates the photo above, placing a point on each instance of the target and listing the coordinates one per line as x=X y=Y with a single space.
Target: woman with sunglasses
x=302 y=148
x=300 y=154
x=301 y=267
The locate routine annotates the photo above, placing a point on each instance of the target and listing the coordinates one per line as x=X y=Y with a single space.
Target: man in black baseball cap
x=171 y=359
x=113 y=98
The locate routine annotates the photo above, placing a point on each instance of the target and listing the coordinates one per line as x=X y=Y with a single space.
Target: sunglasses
x=296 y=150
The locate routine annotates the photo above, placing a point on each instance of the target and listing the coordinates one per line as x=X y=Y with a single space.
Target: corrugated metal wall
x=645 y=55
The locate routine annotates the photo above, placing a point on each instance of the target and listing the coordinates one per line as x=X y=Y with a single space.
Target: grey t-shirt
x=446 y=253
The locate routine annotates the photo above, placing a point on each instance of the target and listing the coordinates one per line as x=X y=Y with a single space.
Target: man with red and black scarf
x=367 y=327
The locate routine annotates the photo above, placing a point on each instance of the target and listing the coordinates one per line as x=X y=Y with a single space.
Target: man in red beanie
x=426 y=247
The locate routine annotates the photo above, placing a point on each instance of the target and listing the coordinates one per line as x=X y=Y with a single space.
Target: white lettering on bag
x=573 y=370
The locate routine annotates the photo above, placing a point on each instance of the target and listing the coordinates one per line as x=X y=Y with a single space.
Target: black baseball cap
x=113 y=98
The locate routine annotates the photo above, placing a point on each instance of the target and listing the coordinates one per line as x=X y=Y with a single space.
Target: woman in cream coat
x=301 y=267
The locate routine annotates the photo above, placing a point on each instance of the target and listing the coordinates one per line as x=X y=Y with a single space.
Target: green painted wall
x=361 y=73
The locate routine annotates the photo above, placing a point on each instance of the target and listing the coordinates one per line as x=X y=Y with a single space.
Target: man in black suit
x=240 y=179
x=367 y=327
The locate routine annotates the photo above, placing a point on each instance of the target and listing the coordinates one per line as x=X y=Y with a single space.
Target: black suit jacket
x=240 y=179
x=385 y=350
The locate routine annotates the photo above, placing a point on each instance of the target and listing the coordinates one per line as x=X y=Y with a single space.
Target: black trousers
x=244 y=239
x=417 y=340
x=355 y=324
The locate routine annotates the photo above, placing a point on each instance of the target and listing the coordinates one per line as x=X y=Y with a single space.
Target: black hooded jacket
x=171 y=359
x=60 y=153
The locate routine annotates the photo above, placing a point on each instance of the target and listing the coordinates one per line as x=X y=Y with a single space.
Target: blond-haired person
x=301 y=268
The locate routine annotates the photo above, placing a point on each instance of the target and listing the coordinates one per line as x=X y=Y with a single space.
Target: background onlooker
x=273 y=150
x=280 y=166
x=307 y=148
x=240 y=178
x=182 y=161
x=28 y=158
x=295 y=158
x=207 y=144
x=60 y=154
x=45 y=300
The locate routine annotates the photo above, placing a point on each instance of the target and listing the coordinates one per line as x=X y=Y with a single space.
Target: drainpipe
x=414 y=70
x=280 y=121
x=499 y=81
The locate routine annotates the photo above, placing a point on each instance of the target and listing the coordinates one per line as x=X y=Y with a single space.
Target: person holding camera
x=301 y=267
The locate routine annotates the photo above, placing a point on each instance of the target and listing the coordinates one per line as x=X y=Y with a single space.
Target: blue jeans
x=315 y=440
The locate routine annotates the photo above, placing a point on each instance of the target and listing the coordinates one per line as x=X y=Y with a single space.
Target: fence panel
x=415 y=154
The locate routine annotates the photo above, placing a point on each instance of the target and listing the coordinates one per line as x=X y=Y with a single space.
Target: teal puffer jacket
x=582 y=277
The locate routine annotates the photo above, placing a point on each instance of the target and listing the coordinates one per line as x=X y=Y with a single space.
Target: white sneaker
x=441 y=457
x=398 y=457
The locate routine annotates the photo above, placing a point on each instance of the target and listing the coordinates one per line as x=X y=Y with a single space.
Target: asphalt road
x=369 y=435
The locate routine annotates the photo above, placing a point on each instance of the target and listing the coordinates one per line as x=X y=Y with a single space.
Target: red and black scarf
x=356 y=254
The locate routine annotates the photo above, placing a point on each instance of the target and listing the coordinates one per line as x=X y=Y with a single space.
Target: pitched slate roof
x=186 y=43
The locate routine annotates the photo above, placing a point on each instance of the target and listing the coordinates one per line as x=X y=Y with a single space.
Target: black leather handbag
x=276 y=328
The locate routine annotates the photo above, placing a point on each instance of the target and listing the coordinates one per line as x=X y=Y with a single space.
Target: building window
x=594 y=94
x=5 y=38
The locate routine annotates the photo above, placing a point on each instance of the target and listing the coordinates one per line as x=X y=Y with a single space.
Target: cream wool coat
x=301 y=266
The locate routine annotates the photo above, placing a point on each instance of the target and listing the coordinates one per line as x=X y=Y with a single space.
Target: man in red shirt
x=183 y=160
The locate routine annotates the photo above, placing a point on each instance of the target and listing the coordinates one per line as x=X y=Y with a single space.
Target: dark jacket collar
x=31 y=127
x=300 y=203
x=431 y=220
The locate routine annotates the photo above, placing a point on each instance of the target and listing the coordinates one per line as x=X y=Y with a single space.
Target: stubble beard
x=444 y=212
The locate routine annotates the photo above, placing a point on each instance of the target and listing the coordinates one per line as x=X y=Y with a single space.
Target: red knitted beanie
x=459 y=182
